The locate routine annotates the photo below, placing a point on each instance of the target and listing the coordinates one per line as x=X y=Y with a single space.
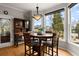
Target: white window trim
x=69 y=25
x=66 y=25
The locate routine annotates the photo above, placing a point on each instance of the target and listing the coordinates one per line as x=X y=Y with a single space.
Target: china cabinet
x=20 y=26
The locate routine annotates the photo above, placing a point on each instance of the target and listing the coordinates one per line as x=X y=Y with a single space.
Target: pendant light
x=37 y=16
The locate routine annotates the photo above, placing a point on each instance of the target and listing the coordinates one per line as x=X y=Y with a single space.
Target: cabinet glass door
x=4 y=30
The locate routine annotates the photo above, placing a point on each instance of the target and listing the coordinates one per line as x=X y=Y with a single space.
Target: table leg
x=52 y=46
x=39 y=47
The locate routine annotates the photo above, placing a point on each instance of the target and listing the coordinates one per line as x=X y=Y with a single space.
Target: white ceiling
x=30 y=6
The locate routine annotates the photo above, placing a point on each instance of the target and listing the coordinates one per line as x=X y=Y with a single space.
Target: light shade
x=37 y=17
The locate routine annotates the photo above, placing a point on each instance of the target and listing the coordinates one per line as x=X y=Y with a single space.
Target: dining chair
x=52 y=45
x=33 y=45
x=27 y=42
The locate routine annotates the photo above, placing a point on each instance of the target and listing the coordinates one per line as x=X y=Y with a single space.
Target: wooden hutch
x=20 y=26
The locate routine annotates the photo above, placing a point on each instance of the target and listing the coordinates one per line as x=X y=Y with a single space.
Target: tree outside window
x=58 y=25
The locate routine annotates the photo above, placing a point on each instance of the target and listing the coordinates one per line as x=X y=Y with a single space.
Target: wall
x=73 y=48
x=28 y=16
x=12 y=12
x=56 y=7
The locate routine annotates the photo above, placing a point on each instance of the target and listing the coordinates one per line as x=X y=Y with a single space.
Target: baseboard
x=6 y=45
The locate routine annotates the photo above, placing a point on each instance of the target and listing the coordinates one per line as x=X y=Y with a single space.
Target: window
x=58 y=23
x=55 y=22
x=37 y=24
x=75 y=23
x=51 y=22
x=48 y=22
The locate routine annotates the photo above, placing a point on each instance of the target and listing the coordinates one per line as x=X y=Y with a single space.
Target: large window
x=55 y=22
x=75 y=23
x=37 y=24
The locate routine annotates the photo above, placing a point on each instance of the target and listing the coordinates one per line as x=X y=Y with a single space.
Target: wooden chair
x=27 y=42
x=52 y=47
x=32 y=44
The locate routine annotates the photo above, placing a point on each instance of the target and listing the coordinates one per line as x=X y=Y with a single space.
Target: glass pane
x=48 y=23
x=58 y=23
x=37 y=24
x=75 y=24
x=55 y=22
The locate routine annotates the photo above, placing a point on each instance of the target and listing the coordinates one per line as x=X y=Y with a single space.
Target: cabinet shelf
x=19 y=27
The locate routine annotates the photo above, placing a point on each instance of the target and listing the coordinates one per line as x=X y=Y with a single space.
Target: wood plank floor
x=19 y=51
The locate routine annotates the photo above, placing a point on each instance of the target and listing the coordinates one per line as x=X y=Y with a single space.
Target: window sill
x=74 y=44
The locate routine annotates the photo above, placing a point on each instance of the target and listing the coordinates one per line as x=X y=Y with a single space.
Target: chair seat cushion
x=49 y=43
x=34 y=42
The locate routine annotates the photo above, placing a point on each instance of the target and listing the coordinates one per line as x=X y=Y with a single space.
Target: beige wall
x=12 y=12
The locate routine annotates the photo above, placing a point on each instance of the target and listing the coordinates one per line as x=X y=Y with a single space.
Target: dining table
x=42 y=37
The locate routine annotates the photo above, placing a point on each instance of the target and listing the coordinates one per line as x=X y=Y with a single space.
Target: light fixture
x=37 y=16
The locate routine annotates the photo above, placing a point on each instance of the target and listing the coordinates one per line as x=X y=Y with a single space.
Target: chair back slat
x=55 y=39
x=27 y=37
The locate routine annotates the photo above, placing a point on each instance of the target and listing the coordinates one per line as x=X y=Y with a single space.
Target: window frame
x=70 y=26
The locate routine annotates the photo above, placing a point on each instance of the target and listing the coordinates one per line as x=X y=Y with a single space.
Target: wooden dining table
x=42 y=37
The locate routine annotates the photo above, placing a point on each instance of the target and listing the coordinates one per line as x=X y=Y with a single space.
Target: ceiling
x=30 y=6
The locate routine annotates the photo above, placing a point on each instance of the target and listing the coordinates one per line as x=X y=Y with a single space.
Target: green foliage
x=41 y=29
x=77 y=28
x=57 y=22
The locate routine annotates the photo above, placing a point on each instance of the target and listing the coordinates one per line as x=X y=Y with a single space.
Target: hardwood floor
x=19 y=51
